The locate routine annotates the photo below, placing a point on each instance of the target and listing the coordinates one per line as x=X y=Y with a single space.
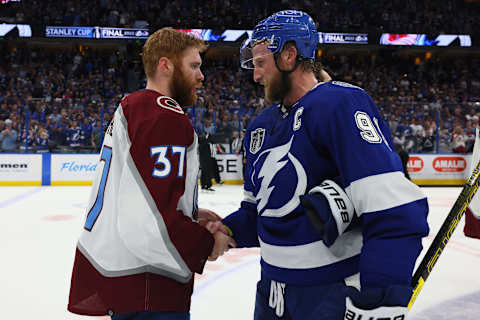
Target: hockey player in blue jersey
x=338 y=224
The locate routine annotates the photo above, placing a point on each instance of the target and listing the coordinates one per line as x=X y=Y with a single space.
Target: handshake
x=212 y=222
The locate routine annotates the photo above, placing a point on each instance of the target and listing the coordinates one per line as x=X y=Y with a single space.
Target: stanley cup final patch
x=256 y=140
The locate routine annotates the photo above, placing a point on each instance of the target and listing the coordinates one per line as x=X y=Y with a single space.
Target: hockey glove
x=329 y=209
x=385 y=304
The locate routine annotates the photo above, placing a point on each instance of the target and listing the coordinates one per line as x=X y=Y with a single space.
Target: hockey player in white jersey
x=142 y=242
x=338 y=225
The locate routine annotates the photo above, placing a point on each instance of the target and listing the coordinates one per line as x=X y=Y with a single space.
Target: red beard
x=183 y=90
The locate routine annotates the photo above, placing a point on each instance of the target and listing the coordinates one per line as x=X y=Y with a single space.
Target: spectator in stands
x=235 y=143
x=219 y=124
x=73 y=134
x=55 y=116
x=56 y=135
x=209 y=128
x=8 y=137
x=199 y=126
x=459 y=116
x=403 y=128
x=472 y=116
x=444 y=145
x=37 y=114
x=4 y=111
x=426 y=144
x=27 y=140
x=410 y=144
x=86 y=137
x=97 y=135
x=246 y=121
x=235 y=122
x=224 y=126
x=416 y=128
x=42 y=139
x=393 y=123
x=470 y=137
x=459 y=140
x=106 y=119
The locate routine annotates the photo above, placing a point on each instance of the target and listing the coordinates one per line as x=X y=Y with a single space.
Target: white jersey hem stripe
x=312 y=255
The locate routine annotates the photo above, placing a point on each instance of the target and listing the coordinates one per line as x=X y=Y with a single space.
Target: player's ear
x=164 y=65
x=289 y=55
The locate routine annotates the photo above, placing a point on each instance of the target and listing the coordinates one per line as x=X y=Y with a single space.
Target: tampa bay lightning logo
x=279 y=161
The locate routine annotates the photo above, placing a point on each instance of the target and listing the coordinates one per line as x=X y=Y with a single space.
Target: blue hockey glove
x=385 y=304
x=329 y=209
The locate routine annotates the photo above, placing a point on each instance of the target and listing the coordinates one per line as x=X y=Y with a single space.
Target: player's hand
x=222 y=244
x=205 y=216
x=217 y=226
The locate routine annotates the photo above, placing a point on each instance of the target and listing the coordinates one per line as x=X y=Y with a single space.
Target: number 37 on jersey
x=162 y=169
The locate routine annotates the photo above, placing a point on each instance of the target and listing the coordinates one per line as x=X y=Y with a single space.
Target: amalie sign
x=449 y=164
x=414 y=164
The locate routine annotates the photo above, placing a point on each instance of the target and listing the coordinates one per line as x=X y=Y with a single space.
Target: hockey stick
x=446 y=231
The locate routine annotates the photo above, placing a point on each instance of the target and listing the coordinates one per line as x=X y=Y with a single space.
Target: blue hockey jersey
x=333 y=131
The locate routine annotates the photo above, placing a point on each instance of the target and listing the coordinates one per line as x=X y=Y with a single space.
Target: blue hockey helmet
x=279 y=28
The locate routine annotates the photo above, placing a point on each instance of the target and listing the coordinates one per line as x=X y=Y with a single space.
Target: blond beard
x=279 y=86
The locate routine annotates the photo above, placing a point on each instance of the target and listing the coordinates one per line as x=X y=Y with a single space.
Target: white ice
x=40 y=227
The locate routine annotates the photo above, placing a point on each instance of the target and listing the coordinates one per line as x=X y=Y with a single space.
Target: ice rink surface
x=40 y=227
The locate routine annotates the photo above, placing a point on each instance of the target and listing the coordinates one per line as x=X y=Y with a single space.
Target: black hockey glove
x=329 y=209
x=378 y=303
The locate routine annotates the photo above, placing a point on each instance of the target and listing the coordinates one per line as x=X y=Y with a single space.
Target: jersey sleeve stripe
x=382 y=192
x=123 y=121
x=185 y=203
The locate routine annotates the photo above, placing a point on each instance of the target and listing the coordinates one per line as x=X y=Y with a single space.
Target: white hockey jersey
x=141 y=243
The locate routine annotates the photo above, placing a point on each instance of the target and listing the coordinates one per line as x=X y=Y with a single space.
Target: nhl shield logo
x=256 y=139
